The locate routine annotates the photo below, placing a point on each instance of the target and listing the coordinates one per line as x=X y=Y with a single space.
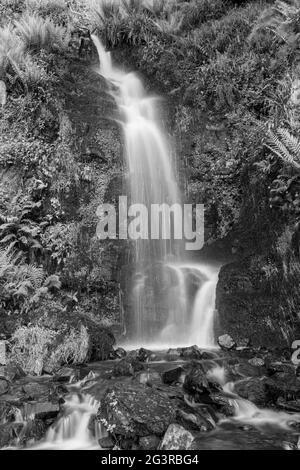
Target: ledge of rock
x=135 y=410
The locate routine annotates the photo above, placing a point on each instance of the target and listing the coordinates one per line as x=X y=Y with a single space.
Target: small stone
x=176 y=438
x=257 y=362
x=226 y=342
x=149 y=442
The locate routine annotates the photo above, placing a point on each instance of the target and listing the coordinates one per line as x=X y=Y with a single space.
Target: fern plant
x=38 y=33
x=282 y=19
x=286 y=146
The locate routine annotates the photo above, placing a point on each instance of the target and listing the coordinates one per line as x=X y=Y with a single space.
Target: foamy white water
x=73 y=430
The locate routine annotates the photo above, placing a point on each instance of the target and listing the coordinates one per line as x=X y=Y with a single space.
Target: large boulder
x=135 y=410
x=176 y=438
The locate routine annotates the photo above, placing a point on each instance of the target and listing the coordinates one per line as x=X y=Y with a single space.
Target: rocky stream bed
x=185 y=398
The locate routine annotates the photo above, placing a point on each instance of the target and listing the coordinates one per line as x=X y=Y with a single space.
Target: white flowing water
x=75 y=429
x=172 y=301
x=247 y=412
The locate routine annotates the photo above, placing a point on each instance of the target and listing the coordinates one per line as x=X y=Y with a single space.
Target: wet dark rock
x=247 y=309
x=128 y=444
x=106 y=442
x=194 y=420
x=176 y=438
x=173 y=354
x=4 y=385
x=286 y=388
x=127 y=367
x=41 y=410
x=149 y=442
x=172 y=375
x=135 y=410
x=192 y=352
x=12 y=372
x=196 y=382
x=102 y=340
x=281 y=370
x=33 y=430
x=119 y=353
x=36 y=391
x=9 y=412
x=292 y=405
x=243 y=343
x=245 y=369
x=66 y=374
x=223 y=403
x=252 y=389
x=143 y=355
x=226 y=342
x=9 y=433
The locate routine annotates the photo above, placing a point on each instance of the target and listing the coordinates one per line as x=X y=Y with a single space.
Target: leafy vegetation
x=229 y=71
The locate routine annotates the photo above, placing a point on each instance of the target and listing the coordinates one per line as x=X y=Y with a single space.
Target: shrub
x=73 y=349
x=30 y=347
x=57 y=10
x=35 y=347
x=11 y=48
x=38 y=33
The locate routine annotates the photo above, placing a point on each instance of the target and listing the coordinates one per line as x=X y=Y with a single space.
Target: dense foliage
x=228 y=69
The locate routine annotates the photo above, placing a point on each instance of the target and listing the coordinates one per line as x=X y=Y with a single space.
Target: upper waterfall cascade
x=172 y=300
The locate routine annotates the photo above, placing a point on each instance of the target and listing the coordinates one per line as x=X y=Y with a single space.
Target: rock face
x=248 y=308
x=176 y=438
x=135 y=410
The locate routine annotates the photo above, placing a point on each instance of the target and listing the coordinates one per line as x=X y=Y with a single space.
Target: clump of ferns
x=39 y=34
x=282 y=19
x=285 y=145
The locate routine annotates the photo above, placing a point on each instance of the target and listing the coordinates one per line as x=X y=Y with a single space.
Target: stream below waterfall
x=246 y=427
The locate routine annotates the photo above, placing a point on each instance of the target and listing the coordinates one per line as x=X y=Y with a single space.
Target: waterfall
x=172 y=301
x=75 y=429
